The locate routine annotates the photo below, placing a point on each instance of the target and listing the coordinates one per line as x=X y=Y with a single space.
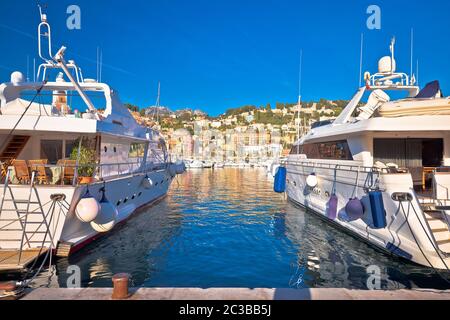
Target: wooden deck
x=9 y=259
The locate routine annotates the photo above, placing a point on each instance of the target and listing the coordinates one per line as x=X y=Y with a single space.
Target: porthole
x=126 y=200
x=134 y=196
x=106 y=149
x=118 y=203
x=139 y=194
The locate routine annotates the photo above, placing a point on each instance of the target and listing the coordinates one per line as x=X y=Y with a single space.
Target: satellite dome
x=17 y=77
x=386 y=65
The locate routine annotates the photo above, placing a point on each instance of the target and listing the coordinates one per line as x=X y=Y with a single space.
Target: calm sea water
x=227 y=228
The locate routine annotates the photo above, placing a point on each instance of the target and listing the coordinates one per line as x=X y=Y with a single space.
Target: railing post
x=5 y=186
x=33 y=175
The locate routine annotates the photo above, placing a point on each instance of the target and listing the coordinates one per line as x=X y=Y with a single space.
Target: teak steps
x=12 y=150
x=9 y=259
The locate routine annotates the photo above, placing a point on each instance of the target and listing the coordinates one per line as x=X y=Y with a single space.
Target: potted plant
x=86 y=160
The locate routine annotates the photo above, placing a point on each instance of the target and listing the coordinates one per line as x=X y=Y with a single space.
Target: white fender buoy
x=147 y=183
x=106 y=219
x=311 y=181
x=87 y=208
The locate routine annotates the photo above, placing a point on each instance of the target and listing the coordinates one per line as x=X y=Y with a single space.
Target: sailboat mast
x=157 y=101
x=299 y=103
x=299 y=94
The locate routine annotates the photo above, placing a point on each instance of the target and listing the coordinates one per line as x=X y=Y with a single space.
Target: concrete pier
x=236 y=294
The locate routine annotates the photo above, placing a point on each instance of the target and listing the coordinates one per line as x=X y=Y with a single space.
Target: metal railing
x=345 y=167
x=69 y=174
x=41 y=236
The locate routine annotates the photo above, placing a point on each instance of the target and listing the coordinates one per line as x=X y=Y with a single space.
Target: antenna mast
x=361 y=59
x=157 y=101
x=101 y=65
x=392 y=47
x=44 y=31
x=98 y=78
x=299 y=93
x=417 y=71
x=412 y=53
x=58 y=61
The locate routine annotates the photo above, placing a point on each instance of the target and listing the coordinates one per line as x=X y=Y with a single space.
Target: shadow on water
x=227 y=228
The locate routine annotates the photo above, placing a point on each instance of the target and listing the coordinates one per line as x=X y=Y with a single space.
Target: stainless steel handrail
x=140 y=168
x=341 y=167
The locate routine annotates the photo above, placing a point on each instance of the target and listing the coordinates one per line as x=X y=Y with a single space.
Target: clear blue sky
x=219 y=54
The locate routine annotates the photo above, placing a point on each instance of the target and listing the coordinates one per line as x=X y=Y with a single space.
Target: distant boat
x=207 y=164
x=195 y=164
x=219 y=165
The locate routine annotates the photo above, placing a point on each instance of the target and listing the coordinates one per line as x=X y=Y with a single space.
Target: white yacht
x=381 y=169
x=74 y=161
x=218 y=165
x=195 y=164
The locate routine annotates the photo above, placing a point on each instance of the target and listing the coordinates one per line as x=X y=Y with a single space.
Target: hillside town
x=248 y=134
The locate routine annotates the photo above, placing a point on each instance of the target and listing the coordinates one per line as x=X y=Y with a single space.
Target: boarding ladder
x=439 y=224
x=25 y=232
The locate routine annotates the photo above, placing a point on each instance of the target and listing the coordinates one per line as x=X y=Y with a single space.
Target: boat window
x=295 y=150
x=137 y=150
x=51 y=150
x=414 y=154
x=57 y=102
x=70 y=145
x=334 y=150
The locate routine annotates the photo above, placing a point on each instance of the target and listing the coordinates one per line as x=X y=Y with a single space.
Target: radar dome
x=17 y=77
x=386 y=65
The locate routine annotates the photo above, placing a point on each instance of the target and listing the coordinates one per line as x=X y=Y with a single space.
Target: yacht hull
x=406 y=235
x=127 y=193
x=58 y=227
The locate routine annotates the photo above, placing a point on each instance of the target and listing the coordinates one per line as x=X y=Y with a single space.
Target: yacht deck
x=13 y=260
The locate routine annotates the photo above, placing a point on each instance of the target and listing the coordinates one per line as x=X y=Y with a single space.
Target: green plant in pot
x=86 y=159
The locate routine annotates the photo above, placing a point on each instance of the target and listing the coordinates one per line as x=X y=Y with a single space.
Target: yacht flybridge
x=381 y=169
x=74 y=162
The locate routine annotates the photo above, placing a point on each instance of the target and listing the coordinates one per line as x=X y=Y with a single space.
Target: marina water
x=227 y=228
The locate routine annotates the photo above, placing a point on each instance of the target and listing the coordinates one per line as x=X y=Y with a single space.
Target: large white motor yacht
x=74 y=161
x=380 y=170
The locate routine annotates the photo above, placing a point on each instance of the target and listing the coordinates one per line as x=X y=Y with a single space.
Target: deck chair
x=39 y=167
x=22 y=173
x=68 y=170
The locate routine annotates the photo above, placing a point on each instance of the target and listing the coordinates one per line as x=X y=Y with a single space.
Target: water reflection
x=125 y=250
x=226 y=228
x=328 y=257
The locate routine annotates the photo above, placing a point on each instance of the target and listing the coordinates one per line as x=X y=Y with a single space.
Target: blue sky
x=219 y=54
